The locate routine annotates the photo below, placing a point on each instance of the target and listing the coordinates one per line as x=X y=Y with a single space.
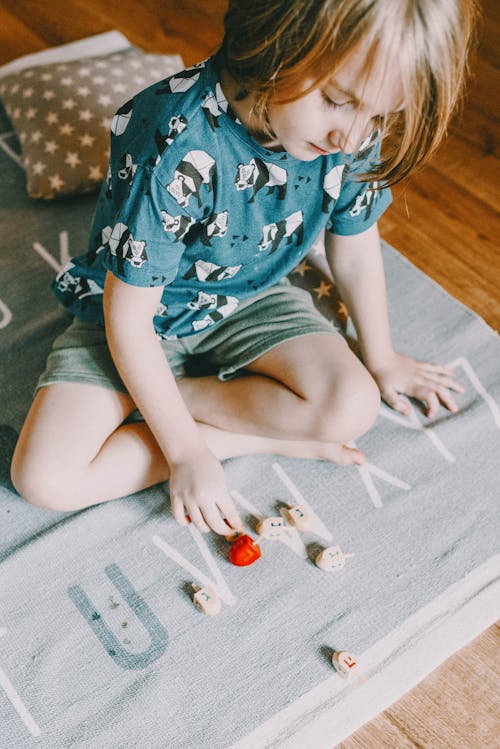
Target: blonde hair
x=276 y=47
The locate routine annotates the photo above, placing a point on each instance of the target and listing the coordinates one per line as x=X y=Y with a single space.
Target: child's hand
x=430 y=383
x=198 y=489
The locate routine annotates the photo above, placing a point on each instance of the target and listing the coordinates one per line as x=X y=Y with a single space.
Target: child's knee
x=40 y=488
x=366 y=404
x=350 y=408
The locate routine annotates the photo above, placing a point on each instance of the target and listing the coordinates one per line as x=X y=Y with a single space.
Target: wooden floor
x=444 y=219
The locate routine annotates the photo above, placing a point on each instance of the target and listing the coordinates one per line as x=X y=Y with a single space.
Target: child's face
x=338 y=116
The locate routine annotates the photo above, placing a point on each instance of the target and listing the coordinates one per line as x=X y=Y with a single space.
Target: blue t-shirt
x=193 y=203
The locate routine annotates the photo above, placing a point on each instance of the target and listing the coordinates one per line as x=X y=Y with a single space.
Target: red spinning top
x=244 y=551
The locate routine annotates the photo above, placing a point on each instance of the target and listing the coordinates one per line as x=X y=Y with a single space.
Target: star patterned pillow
x=61 y=114
x=313 y=275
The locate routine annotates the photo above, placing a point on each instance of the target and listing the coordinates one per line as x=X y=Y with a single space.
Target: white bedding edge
x=334 y=710
x=99 y=44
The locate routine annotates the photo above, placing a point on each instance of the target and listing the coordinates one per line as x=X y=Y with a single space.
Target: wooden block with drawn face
x=345 y=663
x=207 y=601
x=299 y=517
x=331 y=559
x=271 y=528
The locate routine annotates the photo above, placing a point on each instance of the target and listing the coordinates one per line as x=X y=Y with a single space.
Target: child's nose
x=350 y=138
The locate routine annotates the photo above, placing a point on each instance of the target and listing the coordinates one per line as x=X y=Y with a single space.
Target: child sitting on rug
x=220 y=179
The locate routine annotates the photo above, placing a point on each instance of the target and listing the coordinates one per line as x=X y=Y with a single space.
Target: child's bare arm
x=357 y=266
x=197 y=484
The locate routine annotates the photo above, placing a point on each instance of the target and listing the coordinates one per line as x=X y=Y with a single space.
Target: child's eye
x=331 y=103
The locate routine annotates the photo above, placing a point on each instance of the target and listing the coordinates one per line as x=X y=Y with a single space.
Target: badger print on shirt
x=120 y=121
x=176 y=225
x=125 y=248
x=181 y=81
x=220 y=306
x=258 y=174
x=364 y=202
x=197 y=168
x=176 y=125
x=128 y=168
x=215 y=226
x=202 y=270
x=290 y=228
x=81 y=287
x=211 y=110
x=331 y=187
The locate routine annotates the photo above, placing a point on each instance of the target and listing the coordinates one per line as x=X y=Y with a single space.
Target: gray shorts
x=81 y=353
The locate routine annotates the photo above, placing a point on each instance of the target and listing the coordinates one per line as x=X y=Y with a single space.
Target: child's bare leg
x=75 y=452
x=310 y=388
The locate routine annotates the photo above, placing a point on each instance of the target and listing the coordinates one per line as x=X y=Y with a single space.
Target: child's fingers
x=395 y=401
x=178 y=511
x=208 y=517
x=402 y=406
x=444 y=381
x=453 y=385
x=447 y=399
x=449 y=383
x=215 y=521
x=198 y=519
x=441 y=375
x=231 y=515
x=438 y=368
x=433 y=395
x=432 y=404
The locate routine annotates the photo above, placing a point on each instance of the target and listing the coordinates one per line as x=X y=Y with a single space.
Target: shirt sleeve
x=360 y=204
x=144 y=245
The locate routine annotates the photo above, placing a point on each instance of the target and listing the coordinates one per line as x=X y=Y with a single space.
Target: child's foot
x=341 y=454
x=231 y=444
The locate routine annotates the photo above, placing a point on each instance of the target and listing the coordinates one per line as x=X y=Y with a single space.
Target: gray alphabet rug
x=100 y=642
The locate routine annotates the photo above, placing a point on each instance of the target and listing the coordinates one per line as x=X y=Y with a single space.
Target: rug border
x=429 y=637
x=386 y=246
